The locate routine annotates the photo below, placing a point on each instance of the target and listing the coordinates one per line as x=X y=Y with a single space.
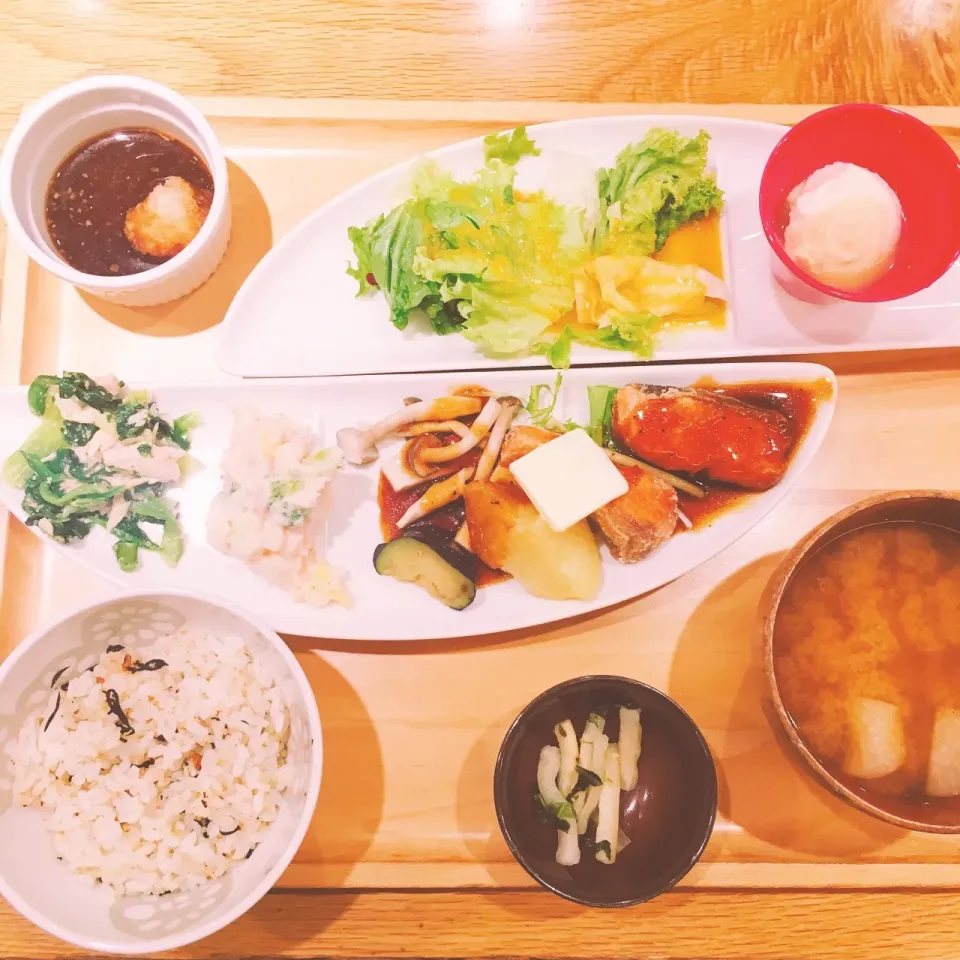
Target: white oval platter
x=384 y=609
x=297 y=313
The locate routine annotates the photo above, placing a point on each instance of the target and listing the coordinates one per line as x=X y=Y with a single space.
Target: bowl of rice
x=160 y=760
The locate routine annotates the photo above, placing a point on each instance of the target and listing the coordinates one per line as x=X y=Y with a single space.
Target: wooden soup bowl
x=917 y=506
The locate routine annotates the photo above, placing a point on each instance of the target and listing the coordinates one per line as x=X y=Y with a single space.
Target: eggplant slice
x=431 y=558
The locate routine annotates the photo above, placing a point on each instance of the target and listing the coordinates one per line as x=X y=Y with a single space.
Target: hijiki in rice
x=158 y=768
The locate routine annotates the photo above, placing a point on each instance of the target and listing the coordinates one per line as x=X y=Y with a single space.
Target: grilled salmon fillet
x=631 y=525
x=701 y=432
x=521 y=440
x=640 y=520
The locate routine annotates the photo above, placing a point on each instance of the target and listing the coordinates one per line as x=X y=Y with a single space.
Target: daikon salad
x=579 y=785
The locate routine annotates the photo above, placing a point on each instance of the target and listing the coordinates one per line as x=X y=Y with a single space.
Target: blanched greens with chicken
x=102 y=456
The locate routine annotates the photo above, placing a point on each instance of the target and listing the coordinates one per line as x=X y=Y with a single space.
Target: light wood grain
x=893 y=408
x=731 y=926
x=703 y=51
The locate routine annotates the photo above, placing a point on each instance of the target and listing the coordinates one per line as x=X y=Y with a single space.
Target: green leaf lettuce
x=509 y=147
x=475 y=257
x=655 y=186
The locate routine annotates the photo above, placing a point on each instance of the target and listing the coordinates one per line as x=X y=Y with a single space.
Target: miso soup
x=867 y=659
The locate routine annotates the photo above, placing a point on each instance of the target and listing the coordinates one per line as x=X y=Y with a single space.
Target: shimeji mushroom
x=478 y=431
x=426 y=457
x=359 y=445
x=488 y=459
x=437 y=496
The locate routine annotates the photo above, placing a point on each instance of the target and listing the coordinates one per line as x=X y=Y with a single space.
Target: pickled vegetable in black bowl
x=667 y=816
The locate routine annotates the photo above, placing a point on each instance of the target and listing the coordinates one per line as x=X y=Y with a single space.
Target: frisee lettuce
x=542 y=401
x=631 y=332
x=655 y=186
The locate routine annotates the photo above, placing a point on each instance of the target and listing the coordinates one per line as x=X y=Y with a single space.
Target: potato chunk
x=943 y=771
x=508 y=533
x=493 y=510
x=877 y=745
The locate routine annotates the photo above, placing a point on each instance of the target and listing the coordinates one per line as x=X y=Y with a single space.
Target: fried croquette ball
x=170 y=216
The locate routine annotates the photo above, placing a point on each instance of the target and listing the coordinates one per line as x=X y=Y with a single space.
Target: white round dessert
x=843 y=226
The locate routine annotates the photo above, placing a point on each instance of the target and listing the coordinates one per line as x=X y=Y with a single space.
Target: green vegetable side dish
x=579 y=785
x=501 y=267
x=101 y=455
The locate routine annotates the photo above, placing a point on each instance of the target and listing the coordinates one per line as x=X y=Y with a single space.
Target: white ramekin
x=67 y=117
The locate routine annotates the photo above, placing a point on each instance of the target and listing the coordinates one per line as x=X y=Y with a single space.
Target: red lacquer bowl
x=917 y=163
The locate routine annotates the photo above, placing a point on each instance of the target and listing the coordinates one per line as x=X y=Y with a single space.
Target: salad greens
x=518 y=272
x=542 y=401
x=541 y=404
x=655 y=186
x=475 y=257
x=509 y=147
x=632 y=332
x=101 y=456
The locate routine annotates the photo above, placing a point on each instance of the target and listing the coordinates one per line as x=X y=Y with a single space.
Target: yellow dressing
x=697 y=242
x=521 y=243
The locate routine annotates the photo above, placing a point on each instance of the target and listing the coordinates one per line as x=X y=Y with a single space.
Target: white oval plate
x=384 y=609
x=297 y=313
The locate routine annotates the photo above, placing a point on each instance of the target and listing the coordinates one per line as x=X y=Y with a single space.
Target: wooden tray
x=412 y=731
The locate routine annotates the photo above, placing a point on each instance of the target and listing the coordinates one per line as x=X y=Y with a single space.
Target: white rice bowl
x=231 y=698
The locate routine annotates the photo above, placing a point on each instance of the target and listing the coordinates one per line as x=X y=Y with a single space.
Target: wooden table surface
x=759 y=51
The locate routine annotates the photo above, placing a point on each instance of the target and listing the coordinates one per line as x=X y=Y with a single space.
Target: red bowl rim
x=767 y=215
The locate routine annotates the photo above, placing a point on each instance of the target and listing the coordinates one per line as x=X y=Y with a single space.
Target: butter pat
x=568 y=478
